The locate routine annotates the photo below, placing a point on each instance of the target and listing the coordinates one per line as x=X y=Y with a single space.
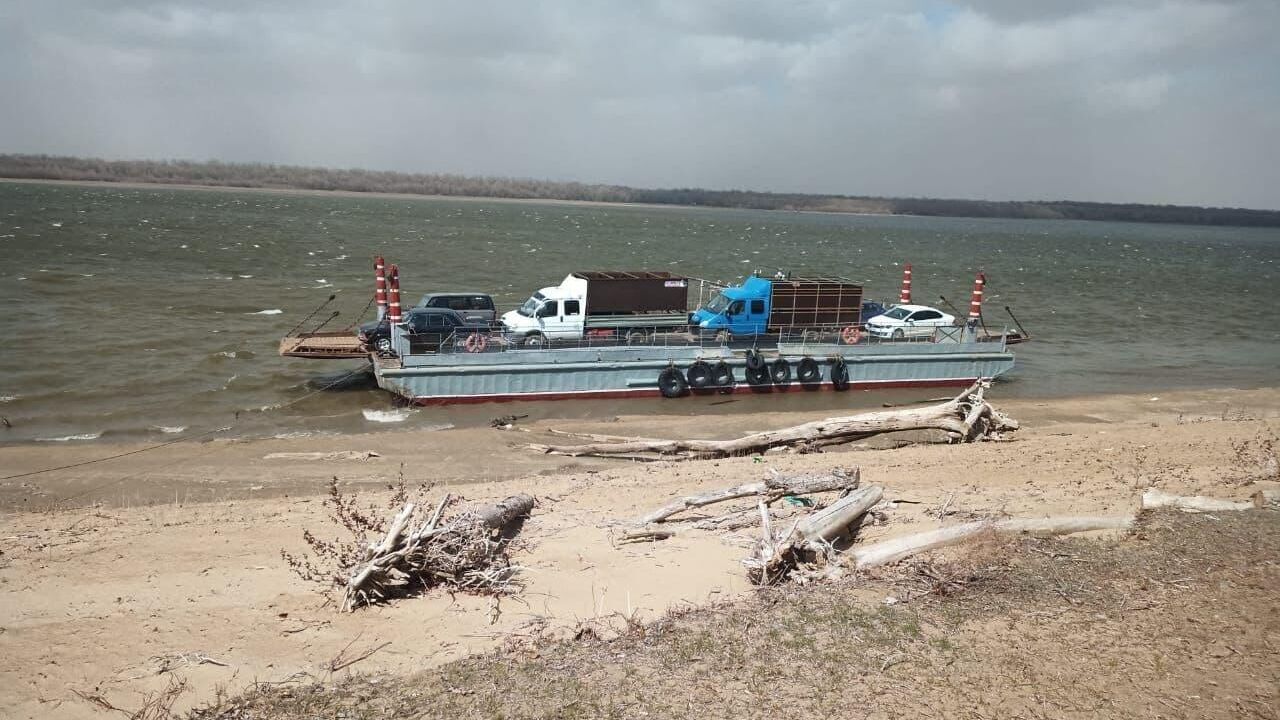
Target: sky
x=1131 y=101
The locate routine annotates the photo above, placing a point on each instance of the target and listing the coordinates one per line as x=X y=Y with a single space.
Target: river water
x=153 y=314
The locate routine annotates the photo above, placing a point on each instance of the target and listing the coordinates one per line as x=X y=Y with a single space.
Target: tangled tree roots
x=416 y=551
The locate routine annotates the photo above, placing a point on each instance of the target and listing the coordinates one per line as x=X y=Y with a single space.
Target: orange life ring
x=850 y=335
x=476 y=343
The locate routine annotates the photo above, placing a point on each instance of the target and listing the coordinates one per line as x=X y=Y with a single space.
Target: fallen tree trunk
x=964 y=418
x=895 y=549
x=1154 y=498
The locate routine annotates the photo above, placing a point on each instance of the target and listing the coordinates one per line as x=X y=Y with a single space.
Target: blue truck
x=767 y=306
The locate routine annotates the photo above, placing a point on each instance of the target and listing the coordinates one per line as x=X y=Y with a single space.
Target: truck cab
x=741 y=310
x=552 y=313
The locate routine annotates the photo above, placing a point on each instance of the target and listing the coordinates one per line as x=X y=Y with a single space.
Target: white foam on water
x=274 y=311
x=8 y=398
x=387 y=416
x=56 y=224
x=246 y=277
x=169 y=429
x=66 y=438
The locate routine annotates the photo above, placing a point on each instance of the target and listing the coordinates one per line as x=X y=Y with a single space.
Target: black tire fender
x=758 y=377
x=780 y=371
x=671 y=383
x=754 y=360
x=722 y=376
x=839 y=374
x=699 y=375
x=808 y=372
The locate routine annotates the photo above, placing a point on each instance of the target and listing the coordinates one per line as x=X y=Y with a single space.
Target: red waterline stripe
x=654 y=392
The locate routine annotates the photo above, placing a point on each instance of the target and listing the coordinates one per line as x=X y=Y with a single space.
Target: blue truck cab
x=762 y=305
x=741 y=311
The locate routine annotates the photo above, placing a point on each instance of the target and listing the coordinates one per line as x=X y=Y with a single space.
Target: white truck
x=606 y=304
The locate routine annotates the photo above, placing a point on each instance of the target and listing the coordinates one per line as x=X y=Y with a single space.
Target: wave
x=67 y=438
x=386 y=416
x=169 y=429
x=7 y=398
x=274 y=311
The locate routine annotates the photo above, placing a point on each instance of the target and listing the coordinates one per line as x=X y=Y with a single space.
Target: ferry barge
x=498 y=366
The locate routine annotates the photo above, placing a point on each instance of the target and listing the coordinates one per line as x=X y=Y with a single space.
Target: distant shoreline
x=309 y=192
x=354 y=182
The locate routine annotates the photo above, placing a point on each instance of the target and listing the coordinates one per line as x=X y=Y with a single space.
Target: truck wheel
x=724 y=336
x=780 y=371
x=722 y=375
x=636 y=337
x=382 y=345
x=671 y=383
x=808 y=372
x=699 y=375
x=534 y=340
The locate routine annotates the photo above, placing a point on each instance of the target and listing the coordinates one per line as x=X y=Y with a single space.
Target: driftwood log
x=466 y=553
x=656 y=525
x=775 y=556
x=965 y=418
x=899 y=548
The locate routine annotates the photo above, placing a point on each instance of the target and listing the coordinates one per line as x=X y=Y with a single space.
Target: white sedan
x=908 y=321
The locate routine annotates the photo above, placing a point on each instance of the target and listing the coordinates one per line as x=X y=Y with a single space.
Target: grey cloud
x=1144 y=100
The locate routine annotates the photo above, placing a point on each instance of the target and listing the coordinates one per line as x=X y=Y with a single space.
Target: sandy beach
x=118 y=575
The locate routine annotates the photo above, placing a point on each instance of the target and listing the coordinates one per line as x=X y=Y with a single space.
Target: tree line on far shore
x=258 y=175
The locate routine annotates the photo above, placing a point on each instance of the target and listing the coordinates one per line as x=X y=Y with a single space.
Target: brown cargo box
x=626 y=293
x=814 y=302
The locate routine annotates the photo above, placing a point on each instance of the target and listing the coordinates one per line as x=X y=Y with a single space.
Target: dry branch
x=966 y=417
x=772 y=488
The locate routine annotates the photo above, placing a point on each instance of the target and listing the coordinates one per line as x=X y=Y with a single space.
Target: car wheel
x=382 y=344
x=635 y=337
x=898 y=335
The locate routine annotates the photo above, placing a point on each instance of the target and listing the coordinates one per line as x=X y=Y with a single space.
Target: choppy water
x=150 y=313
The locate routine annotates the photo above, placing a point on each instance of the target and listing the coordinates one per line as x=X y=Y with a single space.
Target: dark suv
x=473 y=307
x=429 y=329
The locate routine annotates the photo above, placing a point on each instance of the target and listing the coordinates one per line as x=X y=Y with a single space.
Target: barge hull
x=738 y=388
x=634 y=372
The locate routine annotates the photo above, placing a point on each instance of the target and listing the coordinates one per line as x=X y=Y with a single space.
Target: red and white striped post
x=904 y=297
x=380 y=285
x=393 y=311
x=975 y=304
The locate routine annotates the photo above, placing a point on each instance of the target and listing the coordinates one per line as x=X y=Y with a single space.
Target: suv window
x=459 y=303
x=550 y=309
x=481 y=302
x=757 y=307
x=572 y=307
x=435 y=321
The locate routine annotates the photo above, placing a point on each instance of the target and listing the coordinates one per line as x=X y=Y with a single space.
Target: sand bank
x=171 y=560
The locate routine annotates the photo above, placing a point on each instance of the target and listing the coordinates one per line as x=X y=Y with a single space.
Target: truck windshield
x=530 y=306
x=718 y=304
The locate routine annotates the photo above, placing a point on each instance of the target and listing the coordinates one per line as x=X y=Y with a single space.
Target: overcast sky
x=1144 y=100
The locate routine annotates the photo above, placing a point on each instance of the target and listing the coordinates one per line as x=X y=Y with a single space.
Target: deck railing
x=494 y=341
